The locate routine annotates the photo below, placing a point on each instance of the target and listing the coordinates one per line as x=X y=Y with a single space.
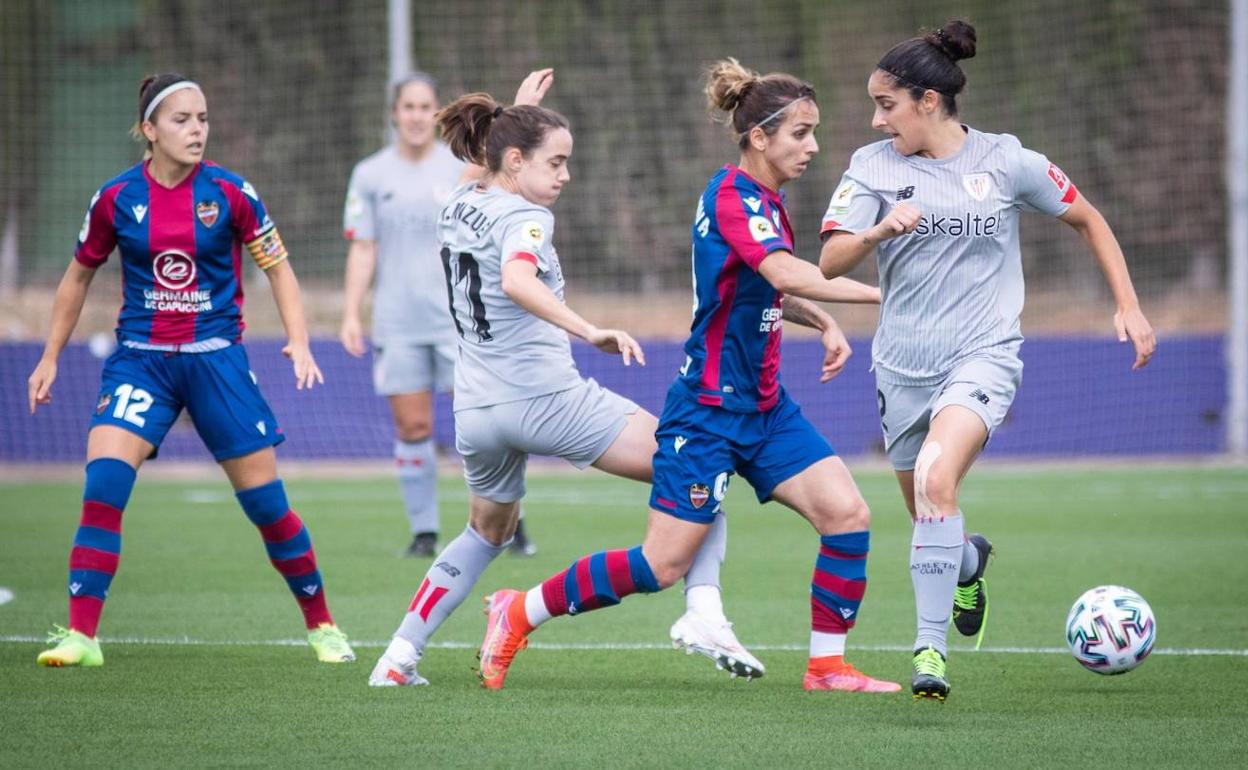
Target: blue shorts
x=700 y=447
x=144 y=391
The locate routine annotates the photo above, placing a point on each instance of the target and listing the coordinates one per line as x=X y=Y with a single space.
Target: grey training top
x=505 y=352
x=953 y=288
x=395 y=203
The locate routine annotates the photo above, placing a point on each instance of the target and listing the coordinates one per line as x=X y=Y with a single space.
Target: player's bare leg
x=825 y=495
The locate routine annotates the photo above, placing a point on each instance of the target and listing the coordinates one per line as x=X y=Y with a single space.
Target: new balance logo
x=679 y=442
x=905 y=193
x=847 y=613
x=979 y=396
x=448 y=569
x=311 y=590
x=140 y=211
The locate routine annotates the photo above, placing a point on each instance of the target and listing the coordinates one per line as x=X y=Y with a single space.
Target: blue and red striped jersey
x=181 y=251
x=732 y=357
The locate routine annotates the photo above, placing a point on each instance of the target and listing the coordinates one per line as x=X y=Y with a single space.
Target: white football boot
x=715 y=639
x=397 y=666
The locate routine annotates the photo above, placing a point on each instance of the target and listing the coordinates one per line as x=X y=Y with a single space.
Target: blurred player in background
x=727 y=412
x=390 y=218
x=180 y=224
x=517 y=388
x=940 y=202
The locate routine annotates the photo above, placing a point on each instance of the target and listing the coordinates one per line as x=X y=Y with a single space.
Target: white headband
x=178 y=86
x=773 y=115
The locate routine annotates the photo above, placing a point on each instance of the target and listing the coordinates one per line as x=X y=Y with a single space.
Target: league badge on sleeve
x=533 y=234
x=762 y=229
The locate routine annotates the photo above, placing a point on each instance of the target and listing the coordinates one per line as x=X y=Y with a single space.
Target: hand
x=535 y=86
x=616 y=341
x=1131 y=324
x=351 y=333
x=306 y=370
x=836 y=352
x=39 y=386
x=900 y=220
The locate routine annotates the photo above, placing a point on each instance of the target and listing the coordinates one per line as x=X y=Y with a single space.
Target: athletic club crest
x=977 y=185
x=699 y=494
x=207 y=211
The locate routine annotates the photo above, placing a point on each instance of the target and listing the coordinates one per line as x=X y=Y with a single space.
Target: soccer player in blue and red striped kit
x=180 y=224
x=727 y=412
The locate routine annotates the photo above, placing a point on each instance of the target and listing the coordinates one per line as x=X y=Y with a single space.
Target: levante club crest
x=207 y=211
x=699 y=494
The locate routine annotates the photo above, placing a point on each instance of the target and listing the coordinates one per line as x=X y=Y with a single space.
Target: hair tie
x=498 y=111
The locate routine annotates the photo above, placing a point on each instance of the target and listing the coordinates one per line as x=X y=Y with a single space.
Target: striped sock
x=289 y=546
x=598 y=580
x=839 y=582
x=97 y=544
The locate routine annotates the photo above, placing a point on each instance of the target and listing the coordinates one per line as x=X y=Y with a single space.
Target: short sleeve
x=254 y=227
x=748 y=224
x=358 y=213
x=1040 y=185
x=98 y=237
x=527 y=236
x=853 y=207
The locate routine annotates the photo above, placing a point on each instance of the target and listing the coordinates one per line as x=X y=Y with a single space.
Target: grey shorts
x=401 y=367
x=986 y=385
x=578 y=425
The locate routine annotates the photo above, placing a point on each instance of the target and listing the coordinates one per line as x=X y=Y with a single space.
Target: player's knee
x=935 y=484
x=413 y=430
x=847 y=516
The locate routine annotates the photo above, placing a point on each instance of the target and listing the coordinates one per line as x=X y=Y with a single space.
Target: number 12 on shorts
x=132 y=402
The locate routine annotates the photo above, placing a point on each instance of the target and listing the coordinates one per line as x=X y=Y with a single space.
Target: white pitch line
x=189 y=642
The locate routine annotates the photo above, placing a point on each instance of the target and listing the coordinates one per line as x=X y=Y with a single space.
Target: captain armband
x=267 y=249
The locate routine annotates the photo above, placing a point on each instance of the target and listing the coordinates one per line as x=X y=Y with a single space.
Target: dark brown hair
x=749 y=99
x=478 y=129
x=148 y=88
x=930 y=62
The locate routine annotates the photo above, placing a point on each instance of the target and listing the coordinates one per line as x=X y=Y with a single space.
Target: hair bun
x=956 y=40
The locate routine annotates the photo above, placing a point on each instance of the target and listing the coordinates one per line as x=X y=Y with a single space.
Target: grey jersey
x=505 y=352
x=395 y=203
x=954 y=287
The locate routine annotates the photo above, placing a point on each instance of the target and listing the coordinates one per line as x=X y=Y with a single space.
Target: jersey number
x=463 y=272
x=131 y=403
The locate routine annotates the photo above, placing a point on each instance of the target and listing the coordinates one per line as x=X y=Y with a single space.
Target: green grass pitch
x=198 y=674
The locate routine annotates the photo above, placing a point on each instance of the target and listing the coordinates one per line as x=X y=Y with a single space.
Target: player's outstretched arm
x=361 y=264
x=521 y=284
x=797 y=277
x=290 y=307
x=843 y=251
x=1129 y=320
x=66 y=310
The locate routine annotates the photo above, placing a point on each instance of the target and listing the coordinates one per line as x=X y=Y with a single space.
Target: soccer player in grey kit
x=517 y=389
x=939 y=202
x=390 y=218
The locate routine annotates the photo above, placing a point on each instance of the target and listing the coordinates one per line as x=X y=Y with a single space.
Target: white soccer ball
x=1110 y=629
